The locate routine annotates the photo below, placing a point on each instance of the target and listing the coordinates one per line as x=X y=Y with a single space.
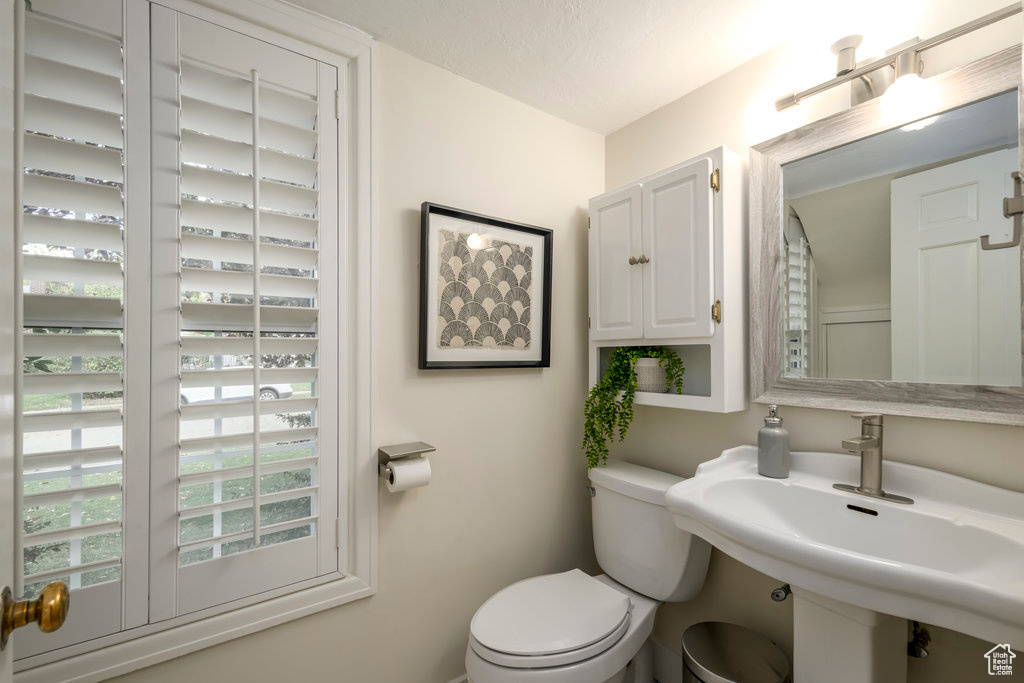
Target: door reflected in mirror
x=885 y=274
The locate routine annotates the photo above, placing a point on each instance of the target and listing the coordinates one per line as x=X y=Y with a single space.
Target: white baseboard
x=668 y=666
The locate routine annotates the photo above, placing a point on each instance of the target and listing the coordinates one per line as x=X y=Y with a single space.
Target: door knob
x=643 y=259
x=50 y=610
x=633 y=260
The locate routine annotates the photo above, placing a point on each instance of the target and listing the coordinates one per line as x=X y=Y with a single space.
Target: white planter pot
x=650 y=376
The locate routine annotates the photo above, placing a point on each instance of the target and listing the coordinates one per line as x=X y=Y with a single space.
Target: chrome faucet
x=869 y=446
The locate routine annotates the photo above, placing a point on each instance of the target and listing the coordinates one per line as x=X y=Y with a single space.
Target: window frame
x=355 y=56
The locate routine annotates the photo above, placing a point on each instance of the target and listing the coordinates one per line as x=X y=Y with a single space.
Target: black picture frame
x=488 y=315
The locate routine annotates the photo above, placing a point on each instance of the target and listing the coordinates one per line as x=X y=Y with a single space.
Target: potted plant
x=609 y=408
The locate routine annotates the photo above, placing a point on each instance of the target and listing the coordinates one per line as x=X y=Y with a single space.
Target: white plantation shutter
x=189 y=305
x=73 y=282
x=256 y=476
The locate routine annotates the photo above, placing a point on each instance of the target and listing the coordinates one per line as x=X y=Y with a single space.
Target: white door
x=678 y=244
x=955 y=307
x=616 y=297
x=7 y=330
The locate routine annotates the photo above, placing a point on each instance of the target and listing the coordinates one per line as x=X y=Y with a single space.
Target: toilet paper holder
x=385 y=454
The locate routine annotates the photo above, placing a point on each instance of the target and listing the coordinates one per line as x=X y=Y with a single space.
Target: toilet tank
x=634 y=537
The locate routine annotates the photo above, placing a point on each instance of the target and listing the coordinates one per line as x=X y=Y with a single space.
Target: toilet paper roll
x=408 y=474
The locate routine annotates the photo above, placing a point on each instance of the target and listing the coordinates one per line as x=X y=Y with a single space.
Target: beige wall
x=507 y=498
x=736 y=110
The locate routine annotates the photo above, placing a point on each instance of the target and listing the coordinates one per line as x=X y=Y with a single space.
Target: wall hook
x=1013 y=207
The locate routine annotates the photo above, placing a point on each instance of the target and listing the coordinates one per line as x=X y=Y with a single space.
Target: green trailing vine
x=607 y=416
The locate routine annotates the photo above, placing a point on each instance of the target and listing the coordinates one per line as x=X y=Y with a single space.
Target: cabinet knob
x=643 y=259
x=633 y=260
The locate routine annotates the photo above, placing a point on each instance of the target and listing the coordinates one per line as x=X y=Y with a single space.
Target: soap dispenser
x=773 y=446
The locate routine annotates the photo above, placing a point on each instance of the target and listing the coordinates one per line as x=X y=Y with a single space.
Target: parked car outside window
x=239 y=392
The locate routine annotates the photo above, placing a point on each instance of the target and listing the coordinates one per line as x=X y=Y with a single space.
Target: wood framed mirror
x=919 y=344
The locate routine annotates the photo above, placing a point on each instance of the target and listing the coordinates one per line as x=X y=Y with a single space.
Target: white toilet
x=575 y=628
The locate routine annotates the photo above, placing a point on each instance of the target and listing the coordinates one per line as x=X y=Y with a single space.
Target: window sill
x=141 y=650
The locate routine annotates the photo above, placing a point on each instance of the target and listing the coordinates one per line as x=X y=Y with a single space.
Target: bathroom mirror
x=870 y=285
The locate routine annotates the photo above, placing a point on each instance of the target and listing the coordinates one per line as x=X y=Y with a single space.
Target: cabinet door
x=678 y=241
x=615 y=285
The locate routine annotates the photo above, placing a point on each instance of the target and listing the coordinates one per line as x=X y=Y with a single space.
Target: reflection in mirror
x=886 y=278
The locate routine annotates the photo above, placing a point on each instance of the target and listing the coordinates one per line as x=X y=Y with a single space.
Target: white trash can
x=717 y=652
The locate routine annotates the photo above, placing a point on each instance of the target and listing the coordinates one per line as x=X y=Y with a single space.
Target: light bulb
x=474 y=241
x=910 y=97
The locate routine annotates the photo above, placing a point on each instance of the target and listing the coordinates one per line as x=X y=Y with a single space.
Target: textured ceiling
x=598 y=63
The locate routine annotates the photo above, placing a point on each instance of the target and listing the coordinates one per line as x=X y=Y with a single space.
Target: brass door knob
x=49 y=610
x=633 y=260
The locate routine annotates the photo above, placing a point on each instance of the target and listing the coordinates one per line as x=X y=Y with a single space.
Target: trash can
x=717 y=652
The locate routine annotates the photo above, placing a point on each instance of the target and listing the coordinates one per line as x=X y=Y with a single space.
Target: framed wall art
x=485 y=291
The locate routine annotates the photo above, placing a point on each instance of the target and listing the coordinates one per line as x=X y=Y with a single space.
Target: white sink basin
x=955 y=558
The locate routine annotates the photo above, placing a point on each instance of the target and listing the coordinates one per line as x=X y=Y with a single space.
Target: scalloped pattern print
x=485 y=293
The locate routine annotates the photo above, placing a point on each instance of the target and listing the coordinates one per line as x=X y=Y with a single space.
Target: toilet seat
x=556 y=659
x=550 y=620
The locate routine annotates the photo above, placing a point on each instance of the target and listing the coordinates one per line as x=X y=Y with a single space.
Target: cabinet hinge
x=337 y=534
x=588 y=223
x=588 y=322
x=337 y=105
x=716 y=181
x=716 y=311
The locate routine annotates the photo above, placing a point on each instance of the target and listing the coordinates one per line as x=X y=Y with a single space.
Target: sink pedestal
x=840 y=643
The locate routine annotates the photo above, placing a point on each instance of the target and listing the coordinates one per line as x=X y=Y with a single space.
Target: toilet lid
x=549 y=614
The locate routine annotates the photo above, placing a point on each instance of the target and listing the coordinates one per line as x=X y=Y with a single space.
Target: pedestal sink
x=860 y=566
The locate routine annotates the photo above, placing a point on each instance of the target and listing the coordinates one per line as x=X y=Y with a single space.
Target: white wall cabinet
x=666 y=256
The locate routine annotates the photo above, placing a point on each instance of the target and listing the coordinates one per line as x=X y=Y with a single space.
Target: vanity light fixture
x=845 y=50
x=905 y=60
x=910 y=96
